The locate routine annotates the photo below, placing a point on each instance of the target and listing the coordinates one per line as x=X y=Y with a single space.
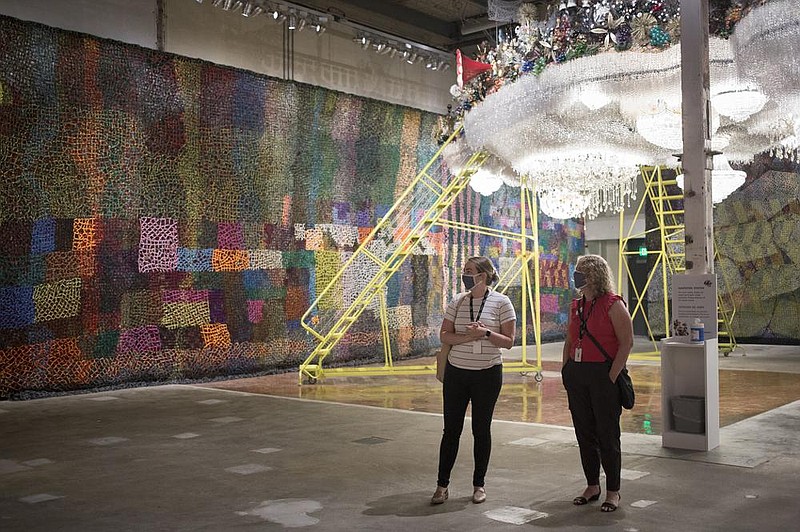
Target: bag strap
x=593 y=339
x=458 y=305
x=600 y=347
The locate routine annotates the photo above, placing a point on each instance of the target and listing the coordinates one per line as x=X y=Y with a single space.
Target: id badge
x=476 y=347
x=578 y=354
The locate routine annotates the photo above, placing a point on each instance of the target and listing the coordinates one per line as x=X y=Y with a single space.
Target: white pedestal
x=690 y=369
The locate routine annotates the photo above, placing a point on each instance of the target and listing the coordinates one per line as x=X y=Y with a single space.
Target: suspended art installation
x=564 y=107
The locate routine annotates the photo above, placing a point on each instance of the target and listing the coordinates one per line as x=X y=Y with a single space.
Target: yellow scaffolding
x=388 y=245
x=670 y=255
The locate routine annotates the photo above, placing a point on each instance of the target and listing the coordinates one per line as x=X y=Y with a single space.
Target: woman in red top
x=589 y=380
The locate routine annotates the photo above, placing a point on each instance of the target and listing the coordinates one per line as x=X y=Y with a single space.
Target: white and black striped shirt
x=496 y=311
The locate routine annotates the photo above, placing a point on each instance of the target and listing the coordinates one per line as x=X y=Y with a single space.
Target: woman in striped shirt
x=477 y=324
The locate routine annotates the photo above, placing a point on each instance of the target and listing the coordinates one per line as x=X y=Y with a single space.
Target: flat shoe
x=609 y=506
x=440 y=495
x=581 y=500
x=479 y=495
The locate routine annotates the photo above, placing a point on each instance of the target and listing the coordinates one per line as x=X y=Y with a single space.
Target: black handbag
x=627 y=397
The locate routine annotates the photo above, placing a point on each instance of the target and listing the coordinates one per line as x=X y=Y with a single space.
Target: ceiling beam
x=408 y=16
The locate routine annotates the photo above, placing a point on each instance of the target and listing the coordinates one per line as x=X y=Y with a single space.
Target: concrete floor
x=181 y=457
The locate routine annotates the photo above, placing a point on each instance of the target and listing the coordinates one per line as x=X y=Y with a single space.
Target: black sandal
x=581 y=500
x=610 y=506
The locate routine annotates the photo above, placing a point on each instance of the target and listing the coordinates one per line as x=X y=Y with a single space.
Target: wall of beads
x=162 y=218
x=165 y=218
x=757 y=230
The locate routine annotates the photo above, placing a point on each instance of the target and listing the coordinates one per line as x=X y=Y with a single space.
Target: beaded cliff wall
x=162 y=218
x=757 y=232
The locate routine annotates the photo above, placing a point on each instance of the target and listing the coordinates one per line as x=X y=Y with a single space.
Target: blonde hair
x=484 y=265
x=597 y=271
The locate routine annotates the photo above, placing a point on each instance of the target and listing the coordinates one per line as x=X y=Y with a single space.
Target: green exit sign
x=642 y=251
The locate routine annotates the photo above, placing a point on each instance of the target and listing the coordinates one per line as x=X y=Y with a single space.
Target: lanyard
x=472 y=317
x=583 y=320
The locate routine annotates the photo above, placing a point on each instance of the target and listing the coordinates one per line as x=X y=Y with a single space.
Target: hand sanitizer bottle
x=697 y=332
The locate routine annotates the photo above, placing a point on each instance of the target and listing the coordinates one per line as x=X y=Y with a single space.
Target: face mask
x=468 y=280
x=579 y=278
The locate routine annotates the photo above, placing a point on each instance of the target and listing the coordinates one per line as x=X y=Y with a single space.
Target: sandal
x=608 y=506
x=581 y=500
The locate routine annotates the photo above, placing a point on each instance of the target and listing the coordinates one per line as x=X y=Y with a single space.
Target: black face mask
x=468 y=280
x=579 y=278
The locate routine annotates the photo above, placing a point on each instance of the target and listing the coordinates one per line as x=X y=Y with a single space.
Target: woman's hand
x=475 y=331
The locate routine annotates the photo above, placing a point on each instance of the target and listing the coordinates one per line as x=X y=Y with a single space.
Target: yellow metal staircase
x=381 y=254
x=668 y=211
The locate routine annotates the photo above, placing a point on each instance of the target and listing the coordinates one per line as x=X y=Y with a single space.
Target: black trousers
x=595 y=407
x=461 y=386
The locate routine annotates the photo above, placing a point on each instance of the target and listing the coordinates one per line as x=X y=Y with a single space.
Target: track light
x=410 y=53
x=251 y=10
x=216 y=3
x=319 y=24
x=301 y=23
x=292 y=20
x=229 y=5
x=277 y=16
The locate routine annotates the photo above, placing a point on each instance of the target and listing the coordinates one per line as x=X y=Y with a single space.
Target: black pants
x=461 y=386
x=595 y=407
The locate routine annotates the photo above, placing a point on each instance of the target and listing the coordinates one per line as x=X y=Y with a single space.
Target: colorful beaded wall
x=757 y=231
x=163 y=218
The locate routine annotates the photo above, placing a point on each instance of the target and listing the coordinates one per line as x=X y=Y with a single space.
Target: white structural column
x=690 y=373
x=697 y=157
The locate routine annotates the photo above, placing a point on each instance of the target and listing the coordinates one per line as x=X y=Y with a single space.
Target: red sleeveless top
x=598 y=323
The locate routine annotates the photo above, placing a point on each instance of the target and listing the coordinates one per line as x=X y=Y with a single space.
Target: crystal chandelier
x=724 y=179
x=738 y=103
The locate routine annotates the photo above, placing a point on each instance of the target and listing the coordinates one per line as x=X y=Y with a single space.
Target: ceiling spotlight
x=199 y=1
x=301 y=23
x=228 y=5
x=319 y=24
x=251 y=10
x=277 y=16
x=365 y=42
x=216 y=3
x=412 y=58
x=392 y=51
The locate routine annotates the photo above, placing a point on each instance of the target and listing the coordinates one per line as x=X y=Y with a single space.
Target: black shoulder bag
x=627 y=397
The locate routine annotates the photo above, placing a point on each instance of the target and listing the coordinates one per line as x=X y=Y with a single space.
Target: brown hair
x=597 y=272
x=484 y=265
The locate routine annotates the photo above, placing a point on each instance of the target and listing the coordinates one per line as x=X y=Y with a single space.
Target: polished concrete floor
x=360 y=454
x=753 y=379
